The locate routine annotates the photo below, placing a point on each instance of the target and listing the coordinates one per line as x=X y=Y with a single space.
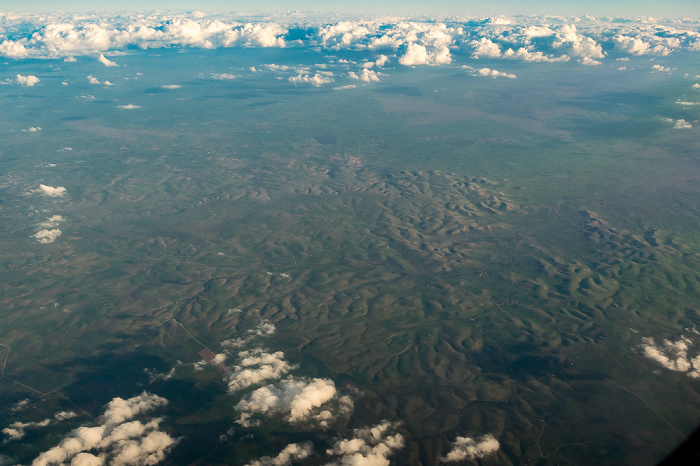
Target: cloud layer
x=296 y=400
x=368 y=446
x=117 y=440
x=467 y=448
x=673 y=355
x=537 y=39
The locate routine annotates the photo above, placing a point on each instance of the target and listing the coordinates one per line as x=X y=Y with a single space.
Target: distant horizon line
x=209 y=11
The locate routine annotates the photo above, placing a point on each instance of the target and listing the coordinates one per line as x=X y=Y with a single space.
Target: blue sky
x=678 y=8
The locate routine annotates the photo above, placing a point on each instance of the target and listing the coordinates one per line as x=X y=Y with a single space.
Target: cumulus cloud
x=20 y=405
x=317 y=79
x=216 y=360
x=255 y=366
x=639 y=46
x=660 y=68
x=170 y=86
x=17 y=430
x=290 y=453
x=27 y=81
x=673 y=355
x=531 y=55
x=154 y=375
x=590 y=61
x=63 y=415
x=115 y=441
x=368 y=446
x=297 y=400
x=50 y=191
x=468 y=448
x=93 y=80
x=223 y=76
x=47 y=236
x=696 y=86
x=489 y=72
x=485 y=47
x=106 y=61
x=33 y=129
x=13 y=49
x=263 y=329
x=417 y=54
x=366 y=75
x=129 y=106
x=682 y=124
x=587 y=40
x=52 y=221
x=381 y=61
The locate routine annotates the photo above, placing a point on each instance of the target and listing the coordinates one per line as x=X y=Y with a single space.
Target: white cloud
x=115 y=441
x=63 y=415
x=590 y=61
x=366 y=75
x=291 y=453
x=528 y=38
x=381 y=61
x=129 y=106
x=20 y=405
x=673 y=355
x=69 y=60
x=298 y=400
x=154 y=376
x=485 y=47
x=568 y=38
x=317 y=79
x=686 y=103
x=660 y=68
x=47 y=236
x=417 y=54
x=489 y=72
x=468 y=448
x=526 y=54
x=170 y=86
x=93 y=80
x=347 y=86
x=641 y=45
x=52 y=221
x=682 y=124
x=274 y=67
x=216 y=360
x=27 y=81
x=106 y=61
x=224 y=76
x=13 y=49
x=263 y=329
x=50 y=191
x=696 y=86
x=33 y=129
x=255 y=366
x=17 y=430
x=368 y=446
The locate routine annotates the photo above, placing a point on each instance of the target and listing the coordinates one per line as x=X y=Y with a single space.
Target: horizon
x=598 y=8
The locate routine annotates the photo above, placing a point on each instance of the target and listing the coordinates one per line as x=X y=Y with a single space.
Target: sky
x=658 y=8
